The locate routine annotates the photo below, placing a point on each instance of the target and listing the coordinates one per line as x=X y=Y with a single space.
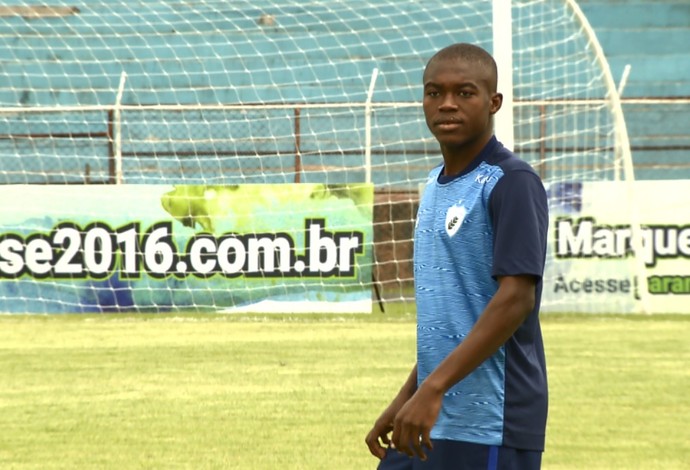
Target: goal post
x=502 y=15
x=276 y=92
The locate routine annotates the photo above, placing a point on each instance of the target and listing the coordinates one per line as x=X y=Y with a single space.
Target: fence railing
x=361 y=152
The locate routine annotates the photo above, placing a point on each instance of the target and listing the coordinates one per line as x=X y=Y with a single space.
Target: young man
x=477 y=397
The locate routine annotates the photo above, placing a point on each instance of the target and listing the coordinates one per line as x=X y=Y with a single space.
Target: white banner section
x=592 y=266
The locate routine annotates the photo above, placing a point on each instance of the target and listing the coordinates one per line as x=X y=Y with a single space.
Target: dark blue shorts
x=455 y=455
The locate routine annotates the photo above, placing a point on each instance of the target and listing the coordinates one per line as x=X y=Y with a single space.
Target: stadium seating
x=650 y=36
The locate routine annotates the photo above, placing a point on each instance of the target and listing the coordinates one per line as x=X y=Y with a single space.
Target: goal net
x=216 y=94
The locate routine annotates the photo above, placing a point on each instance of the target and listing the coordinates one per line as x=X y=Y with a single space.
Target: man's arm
x=384 y=424
x=507 y=310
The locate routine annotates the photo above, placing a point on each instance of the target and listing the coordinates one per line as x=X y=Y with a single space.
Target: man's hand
x=378 y=436
x=413 y=423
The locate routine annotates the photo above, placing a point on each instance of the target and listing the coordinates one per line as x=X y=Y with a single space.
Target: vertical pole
x=618 y=158
x=367 y=169
x=503 y=54
x=298 y=146
x=111 y=147
x=118 y=129
x=367 y=127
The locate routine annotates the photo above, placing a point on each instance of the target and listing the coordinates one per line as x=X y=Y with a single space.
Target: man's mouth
x=448 y=124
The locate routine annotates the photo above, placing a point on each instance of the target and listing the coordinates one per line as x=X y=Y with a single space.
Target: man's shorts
x=455 y=455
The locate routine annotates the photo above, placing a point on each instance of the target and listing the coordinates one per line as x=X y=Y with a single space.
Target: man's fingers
x=374 y=440
x=425 y=442
x=404 y=442
x=395 y=438
x=412 y=441
x=375 y=447
x=417 y=448
x=385 y=439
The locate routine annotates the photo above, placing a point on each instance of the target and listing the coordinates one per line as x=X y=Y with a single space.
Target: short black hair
x=469 y=53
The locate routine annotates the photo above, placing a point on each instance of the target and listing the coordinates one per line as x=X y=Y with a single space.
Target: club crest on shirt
x=454 y=217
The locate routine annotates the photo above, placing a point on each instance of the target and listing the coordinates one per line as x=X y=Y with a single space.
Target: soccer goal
x=218 y=94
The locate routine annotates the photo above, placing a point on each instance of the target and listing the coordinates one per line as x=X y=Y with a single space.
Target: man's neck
x=456 y=159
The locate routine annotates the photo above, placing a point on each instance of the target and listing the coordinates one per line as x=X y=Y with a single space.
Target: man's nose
x=447 y=102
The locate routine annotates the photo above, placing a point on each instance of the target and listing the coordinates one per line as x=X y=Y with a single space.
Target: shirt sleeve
x=519 y=215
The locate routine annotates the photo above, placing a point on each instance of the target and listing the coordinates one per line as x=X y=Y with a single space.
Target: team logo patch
x=454 y=217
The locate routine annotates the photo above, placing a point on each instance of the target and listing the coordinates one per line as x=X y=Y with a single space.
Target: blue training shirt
x=489 y=221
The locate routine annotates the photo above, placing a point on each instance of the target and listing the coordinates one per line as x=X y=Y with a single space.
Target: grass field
x=278 y=392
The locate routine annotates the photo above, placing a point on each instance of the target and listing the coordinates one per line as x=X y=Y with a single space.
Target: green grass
x=280 y=392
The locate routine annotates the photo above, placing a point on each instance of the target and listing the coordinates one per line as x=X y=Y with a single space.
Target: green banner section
x=287 y=247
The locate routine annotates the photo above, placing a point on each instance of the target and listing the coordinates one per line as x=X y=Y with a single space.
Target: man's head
x=460 y=96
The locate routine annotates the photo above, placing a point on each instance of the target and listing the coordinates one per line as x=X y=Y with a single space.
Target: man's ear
x=496 y=103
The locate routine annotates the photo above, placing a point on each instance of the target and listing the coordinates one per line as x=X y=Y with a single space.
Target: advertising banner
x=156 y=248
x=591 y=267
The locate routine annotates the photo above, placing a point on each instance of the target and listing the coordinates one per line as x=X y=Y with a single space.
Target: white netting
x=224 y=93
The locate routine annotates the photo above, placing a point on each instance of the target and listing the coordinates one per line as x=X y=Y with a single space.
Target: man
x=477 y=397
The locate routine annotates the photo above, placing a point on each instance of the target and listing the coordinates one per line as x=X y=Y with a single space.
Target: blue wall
x=77 y=60
x=653 y=36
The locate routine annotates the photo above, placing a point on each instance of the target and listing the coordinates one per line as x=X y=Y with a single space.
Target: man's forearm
x=408 y=388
